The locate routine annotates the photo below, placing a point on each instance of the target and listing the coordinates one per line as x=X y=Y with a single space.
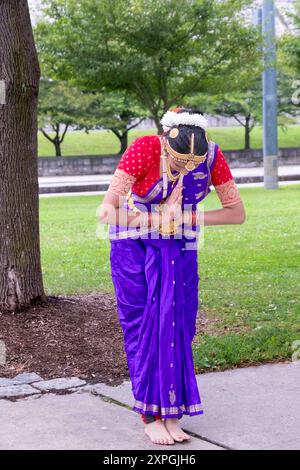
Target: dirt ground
x=70 y=336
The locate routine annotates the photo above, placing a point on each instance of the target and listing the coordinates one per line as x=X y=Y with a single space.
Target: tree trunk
x=247 y=133
x=21 y=283
x=57 y=148
x=124 y=142
x=158 y=124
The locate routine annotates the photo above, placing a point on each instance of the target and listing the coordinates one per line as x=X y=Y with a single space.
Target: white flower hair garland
x=171 y=118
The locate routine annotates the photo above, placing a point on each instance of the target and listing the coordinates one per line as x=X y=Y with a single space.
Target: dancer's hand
x=172 y=206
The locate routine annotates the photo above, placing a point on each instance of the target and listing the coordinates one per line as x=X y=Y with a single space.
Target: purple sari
x=156 y=286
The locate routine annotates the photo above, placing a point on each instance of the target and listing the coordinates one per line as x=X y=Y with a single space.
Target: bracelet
x=159 y=207
x=194 y=218
x=169 y=228
x=189 y=217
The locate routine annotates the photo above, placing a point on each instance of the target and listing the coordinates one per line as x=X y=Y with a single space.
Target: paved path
x=99 y=193
x=245 y=408
x=99 y=183
x=78 y=421
x=98 y=179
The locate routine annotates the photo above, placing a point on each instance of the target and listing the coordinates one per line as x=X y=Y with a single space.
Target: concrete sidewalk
x=246 y=408
x=79 y=421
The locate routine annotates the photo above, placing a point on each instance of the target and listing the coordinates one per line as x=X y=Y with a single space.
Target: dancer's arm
x=233 y=210
x=234 y=214
x=110 y=212
x=133 y=165
x=230 y=215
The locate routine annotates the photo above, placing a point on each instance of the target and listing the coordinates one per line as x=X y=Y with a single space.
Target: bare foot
x=157 y=433
x=172 y=426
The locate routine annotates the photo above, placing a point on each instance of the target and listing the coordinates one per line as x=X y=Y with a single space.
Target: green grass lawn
x=105 y=142
x=249 y=274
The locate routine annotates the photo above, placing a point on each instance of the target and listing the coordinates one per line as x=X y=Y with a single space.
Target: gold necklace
x=169 y=172
x=168 y=168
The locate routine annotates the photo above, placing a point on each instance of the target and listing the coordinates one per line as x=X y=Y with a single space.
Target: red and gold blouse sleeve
x=223 y=181
x=131 y=167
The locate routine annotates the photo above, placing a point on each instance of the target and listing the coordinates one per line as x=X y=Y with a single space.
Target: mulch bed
x=71 y=336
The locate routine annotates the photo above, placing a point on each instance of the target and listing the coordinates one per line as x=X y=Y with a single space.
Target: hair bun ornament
x=173 y=119
x=176 y=110
x=174 y=132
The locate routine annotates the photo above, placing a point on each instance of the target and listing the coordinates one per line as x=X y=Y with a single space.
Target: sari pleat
x=158 y=317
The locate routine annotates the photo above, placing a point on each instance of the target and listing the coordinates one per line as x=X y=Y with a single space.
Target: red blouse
x=139 y=169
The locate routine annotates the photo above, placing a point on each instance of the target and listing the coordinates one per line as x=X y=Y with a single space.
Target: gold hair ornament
x=191 y=159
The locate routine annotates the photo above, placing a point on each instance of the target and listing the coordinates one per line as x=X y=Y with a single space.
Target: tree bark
x=57 y=147
x=158 y=124
x=124 y=142
x=21 y=283
x=247 y=133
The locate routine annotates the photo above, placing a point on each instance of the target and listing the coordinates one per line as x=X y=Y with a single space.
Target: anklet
x=147 y=419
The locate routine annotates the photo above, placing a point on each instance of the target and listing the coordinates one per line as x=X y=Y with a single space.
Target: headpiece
x=174 y=118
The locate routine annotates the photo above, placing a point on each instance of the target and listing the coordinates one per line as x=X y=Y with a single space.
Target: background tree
x=245 y=107
x=160 y=52
x=290 y=60
x=21 y=282
x=116 y=111
x=291 y=40
x=61 y=106
x=287 y=109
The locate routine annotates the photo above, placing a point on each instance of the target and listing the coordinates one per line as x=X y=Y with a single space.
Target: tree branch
x=46 y=135
x=64 y=133
x=135 y=125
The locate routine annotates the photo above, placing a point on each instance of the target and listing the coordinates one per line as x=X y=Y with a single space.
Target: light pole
x=270 y=97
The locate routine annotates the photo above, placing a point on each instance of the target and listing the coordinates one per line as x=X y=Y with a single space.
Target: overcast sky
x=281 y=5
x=35 y=9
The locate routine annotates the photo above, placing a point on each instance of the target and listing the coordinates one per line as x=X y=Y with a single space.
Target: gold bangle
x=170 y=228
x=189 y=217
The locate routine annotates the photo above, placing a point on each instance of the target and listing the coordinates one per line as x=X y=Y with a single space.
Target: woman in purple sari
x=151 y=206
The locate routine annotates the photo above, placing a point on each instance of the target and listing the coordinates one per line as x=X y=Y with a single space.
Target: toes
x=177 y=437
